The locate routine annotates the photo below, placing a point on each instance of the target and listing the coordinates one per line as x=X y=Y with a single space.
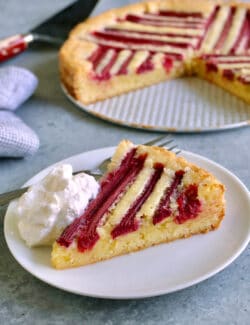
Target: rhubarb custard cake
x=147 y=197
x=142 y=44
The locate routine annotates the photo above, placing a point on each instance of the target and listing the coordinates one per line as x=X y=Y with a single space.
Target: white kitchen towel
x=16 y=138
x=16 y=86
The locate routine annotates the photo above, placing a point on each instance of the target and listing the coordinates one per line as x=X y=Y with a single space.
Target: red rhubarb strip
x=228 y=73
x=211 y=66
x=116 y=30
x=124 y=67
x=226 y=29
x=197 y=20
x=163 y=211
x=129 y=223
x=212 y=56
x=105 y=73
x=154 y=22
x=208 y=25
x=123 y=169
x=107 y=68
x=70 y=233
x=183 y=14
x=243 y=36
x=167 y=63
x=146 y=66
x=97 y=56
x=248 y=29
x=222 y=58
x=132 y=40
x=189 y=206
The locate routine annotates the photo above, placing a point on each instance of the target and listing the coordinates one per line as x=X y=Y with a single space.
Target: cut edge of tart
x=232 y=73
x=148 y=196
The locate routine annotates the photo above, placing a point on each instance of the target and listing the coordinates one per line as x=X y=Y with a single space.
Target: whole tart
x=147 y=197
x=142 y=44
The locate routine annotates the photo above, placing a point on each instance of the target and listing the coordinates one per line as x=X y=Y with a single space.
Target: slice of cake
x=148 y=196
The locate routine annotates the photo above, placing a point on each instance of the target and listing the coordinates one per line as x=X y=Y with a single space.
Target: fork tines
x=164 y=141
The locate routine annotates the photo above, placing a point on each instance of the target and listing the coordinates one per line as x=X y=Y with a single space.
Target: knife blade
x=54 y=30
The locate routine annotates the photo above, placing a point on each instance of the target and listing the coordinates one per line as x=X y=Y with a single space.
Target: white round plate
x=154 y=271
x=182 y=105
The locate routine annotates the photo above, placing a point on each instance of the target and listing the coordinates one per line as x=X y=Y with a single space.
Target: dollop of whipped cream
x=52 y=204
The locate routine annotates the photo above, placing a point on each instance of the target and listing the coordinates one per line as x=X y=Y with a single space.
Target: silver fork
x=97 y=172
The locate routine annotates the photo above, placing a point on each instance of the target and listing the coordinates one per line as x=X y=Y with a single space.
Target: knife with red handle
x=54 y=30
x=14 y=45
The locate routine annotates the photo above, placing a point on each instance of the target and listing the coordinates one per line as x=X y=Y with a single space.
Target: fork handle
x=13 y=45
x=5 y=198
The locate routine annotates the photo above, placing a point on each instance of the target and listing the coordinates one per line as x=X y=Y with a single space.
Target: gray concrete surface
x=64 y=131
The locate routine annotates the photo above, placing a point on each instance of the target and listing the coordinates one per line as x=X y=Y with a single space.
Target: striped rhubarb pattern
x=133 y=43
x=229 y=31
x=133 y=173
